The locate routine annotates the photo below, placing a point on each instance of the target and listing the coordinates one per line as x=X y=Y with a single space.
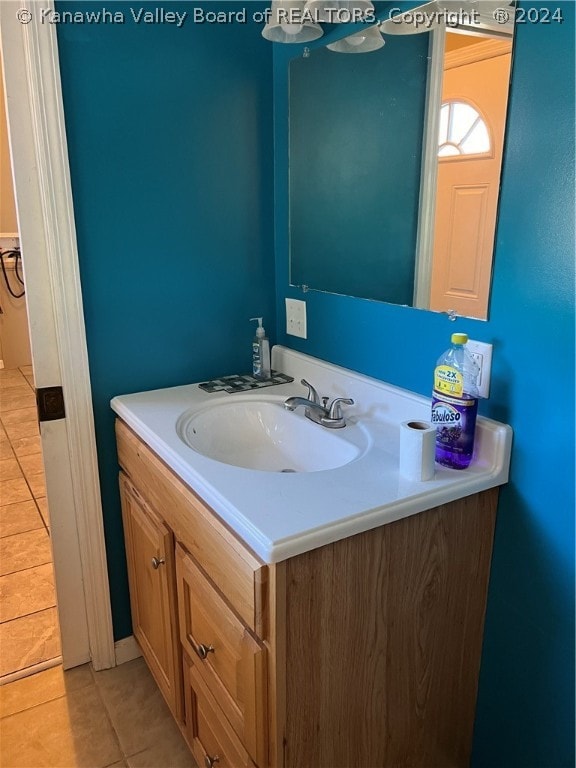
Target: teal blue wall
x=170 y=140
x=170 y=143
x=525 y=716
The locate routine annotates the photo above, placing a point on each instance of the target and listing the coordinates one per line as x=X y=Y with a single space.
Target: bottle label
x=256 y=360
x=448 y=380
x=455 y=422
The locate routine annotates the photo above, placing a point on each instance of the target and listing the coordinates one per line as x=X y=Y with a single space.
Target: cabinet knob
x=157 y=562
x=210 y=762
x=203 y=650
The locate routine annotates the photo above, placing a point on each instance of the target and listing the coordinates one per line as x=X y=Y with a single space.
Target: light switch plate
x=482 y=353
x=296 y=318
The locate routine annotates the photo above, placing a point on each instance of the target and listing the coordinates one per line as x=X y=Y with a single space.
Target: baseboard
x=127 y=649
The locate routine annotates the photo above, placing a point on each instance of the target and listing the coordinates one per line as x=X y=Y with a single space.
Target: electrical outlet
x=482 y=353
x=296 y=318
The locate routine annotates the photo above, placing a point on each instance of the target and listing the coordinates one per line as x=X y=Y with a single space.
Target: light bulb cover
x=291 y=23
x=364 y=41
x=341 y=11
x=425 y=18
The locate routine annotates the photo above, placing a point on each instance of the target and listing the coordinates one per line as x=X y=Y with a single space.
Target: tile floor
x=29 y=632
x=86 y=719
x=56 y=719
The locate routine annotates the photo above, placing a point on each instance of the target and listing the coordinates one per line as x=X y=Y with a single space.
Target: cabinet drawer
x=211 y=738
x=230 y=661
x=232 y=567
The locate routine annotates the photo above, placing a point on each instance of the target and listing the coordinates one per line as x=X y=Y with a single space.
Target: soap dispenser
x=260 y=352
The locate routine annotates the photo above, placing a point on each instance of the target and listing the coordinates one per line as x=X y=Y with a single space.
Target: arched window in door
x=463 y=131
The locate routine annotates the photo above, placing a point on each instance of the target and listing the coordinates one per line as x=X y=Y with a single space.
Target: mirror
x=394 y=168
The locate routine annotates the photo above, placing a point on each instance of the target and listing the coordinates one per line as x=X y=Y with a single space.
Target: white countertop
x=280 y=515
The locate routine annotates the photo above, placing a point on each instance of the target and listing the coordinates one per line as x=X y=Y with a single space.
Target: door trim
x=46 y=219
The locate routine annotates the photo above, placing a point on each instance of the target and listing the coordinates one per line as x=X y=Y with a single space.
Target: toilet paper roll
x=417 y=450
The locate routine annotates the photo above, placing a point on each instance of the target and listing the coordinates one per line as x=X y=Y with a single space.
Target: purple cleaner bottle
x=455 y=404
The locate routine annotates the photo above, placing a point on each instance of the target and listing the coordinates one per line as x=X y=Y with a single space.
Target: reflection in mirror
x=469 y=159
x=355 y=161
x=394 y=173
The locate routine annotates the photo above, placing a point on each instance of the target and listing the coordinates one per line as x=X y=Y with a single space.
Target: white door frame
x=429 y=173
x=43 y=195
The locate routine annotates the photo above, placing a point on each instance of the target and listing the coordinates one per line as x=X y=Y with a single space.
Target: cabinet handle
x=203 y=650
x=210 y=762
x=157 y=562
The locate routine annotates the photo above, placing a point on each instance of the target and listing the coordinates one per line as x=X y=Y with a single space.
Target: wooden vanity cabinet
x=363 y=653
x=150 y=556
x=217 y=592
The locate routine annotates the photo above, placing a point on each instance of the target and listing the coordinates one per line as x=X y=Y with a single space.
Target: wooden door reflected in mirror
x=470 y=144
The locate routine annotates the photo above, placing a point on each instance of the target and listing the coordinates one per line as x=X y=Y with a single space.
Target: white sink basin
x=219 y=443
x=263 y=435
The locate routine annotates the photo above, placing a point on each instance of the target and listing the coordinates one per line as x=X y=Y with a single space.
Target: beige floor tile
x=24 y=446
x=14 y=387
x=42 y=687
x=21 y=429
x=31 y=464
x=26 y=592
x=6 y=451
x=13 y=491
x=24 y=550
x=171 y=753
x=42 y=503
x=18 y=518
x=9 y=469
x=37 y=484
x=10 y=374
x=140 y=715
x=29 y=640
x=24 y=415
x=11 y=400
x=70 y=732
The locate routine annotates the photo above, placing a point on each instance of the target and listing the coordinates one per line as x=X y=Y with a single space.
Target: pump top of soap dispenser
x=260 y=332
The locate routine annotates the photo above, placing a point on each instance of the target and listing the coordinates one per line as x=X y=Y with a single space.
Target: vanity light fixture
x=366 y=40
x=296 y=21
x=289 y=23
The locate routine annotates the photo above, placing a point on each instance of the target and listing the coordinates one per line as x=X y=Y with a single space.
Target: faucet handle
x=312 y=394
x=335 y=409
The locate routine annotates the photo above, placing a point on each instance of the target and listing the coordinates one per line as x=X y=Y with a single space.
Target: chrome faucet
x=319 y=411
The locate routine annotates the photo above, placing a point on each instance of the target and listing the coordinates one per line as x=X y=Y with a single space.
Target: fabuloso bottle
x=455 y=404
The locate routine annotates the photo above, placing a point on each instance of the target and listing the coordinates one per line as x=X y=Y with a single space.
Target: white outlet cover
x=296 y=318
x=483 y=355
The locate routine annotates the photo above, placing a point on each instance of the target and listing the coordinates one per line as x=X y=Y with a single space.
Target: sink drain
x=287 y=470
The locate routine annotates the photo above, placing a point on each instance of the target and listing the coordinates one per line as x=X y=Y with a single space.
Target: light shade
x=366 y=40
x=339 y=11
x=289 y=24
x=425 y=18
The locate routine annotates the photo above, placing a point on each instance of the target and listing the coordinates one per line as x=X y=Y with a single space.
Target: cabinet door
x=151 y=575
x=230 y=661
x=213 y=741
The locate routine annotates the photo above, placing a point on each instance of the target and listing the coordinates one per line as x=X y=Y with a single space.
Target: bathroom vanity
x=315 y=618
